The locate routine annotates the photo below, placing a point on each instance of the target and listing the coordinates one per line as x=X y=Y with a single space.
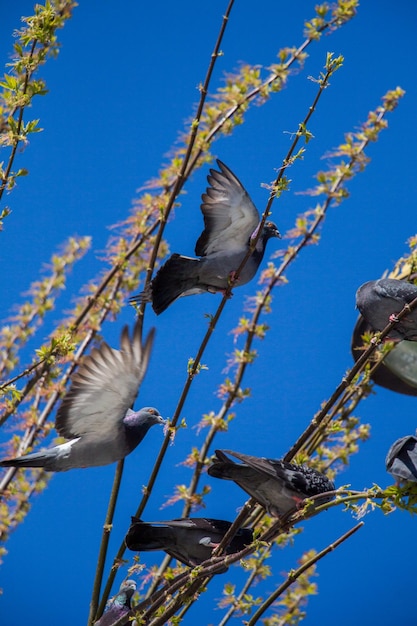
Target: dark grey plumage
x=278 y=486
x=230 y=219
x=401 y=461
x=95 y=414
x=119 y=605
x=189 y=540
x=378 y=300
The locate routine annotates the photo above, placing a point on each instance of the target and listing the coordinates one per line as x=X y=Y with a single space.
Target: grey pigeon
x=378 y=300
x=189 y=540
x=95 y=414
x=401 y=459
x=230 y=218
x=119 y=605
x=278 y=486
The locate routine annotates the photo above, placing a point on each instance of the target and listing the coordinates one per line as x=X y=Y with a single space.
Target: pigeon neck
x=135 y=427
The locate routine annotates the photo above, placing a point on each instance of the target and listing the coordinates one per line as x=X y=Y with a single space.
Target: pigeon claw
x=233 y=278
x=224 y=293
x=298 y=502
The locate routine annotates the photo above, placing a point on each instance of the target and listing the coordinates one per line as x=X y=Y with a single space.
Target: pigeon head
x=270 y=230
x=118 y=606
x=144 y=418
x=128 y=588
x=137 y=423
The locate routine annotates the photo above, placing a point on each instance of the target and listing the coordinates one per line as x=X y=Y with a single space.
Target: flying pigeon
x=230 y=219
x=95 y=414
x=380 y=300
x=119 y=605
x=401 y=459
x=189 y=540
x=278 y=486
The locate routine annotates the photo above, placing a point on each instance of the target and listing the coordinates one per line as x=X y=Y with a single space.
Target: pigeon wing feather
x=104 y=387
x=398 y=289
x=230 y=217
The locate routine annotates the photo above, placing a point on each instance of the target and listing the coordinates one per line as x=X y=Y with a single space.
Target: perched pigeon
x=401 y=459
x=95 y=414
x=278 y=486
x=119 y=605
x=378 y=300
x=230 y=218
x=189 y=540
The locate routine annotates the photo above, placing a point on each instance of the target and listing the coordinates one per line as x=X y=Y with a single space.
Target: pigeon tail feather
x=143 y=296
x=176 y=276
x=222 y=467
x=142 y=537
x=48 y=459
x=37 y=459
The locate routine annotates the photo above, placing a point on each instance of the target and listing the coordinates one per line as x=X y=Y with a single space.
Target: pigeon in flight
x=230 y=219
x=189 y=540
x=379 y=300
x=95 y=414
x=278 y=486
x=119 y=605
x=401 y=459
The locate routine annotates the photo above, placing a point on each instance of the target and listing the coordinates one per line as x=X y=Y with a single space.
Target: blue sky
x=123 y=85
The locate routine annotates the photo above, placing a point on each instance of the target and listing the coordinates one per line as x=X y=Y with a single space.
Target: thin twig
x=19 y=123
x=251 y=578
x=292 y=577
x=105 y=537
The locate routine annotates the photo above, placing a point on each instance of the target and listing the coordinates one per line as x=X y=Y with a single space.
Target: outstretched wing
x=105 y=386
x=230 y=217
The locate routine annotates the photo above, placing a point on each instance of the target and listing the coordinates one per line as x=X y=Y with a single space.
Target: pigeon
x=118 y=606
x=380 y=300
x=401 y=459
x=230 y=219
x=95 y=414
x=189 y=540
x=278 y=486
x=398 y=370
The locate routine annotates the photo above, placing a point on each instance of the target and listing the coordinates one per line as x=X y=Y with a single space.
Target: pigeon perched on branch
x=230 y=220
x=189 y=540
x=119 y=605
x=379 y=301
x=95 y=414
x=278 y=486
x=401 y=461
